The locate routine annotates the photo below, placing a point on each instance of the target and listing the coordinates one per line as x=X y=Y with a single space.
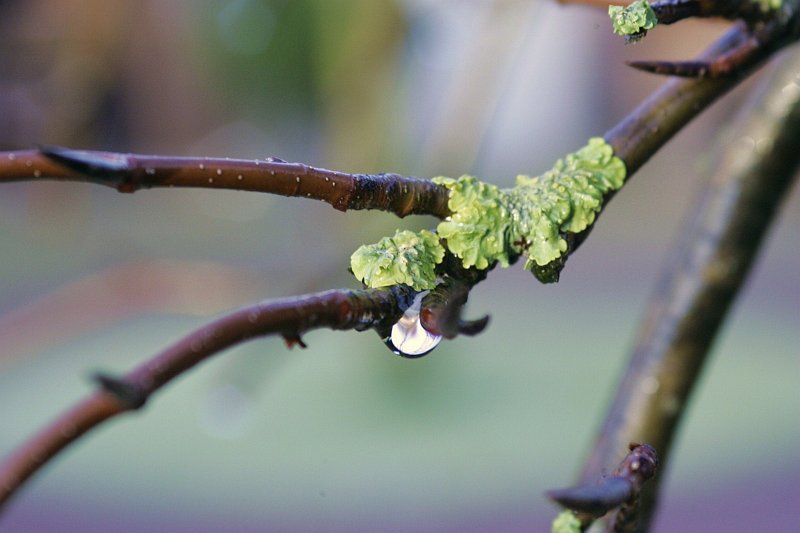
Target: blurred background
x=344 y=436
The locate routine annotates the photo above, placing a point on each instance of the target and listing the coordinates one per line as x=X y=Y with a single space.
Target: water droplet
x=28 y=163
x=202 y=166
x=149 y=171
x=211 y=180
x=37 y=173
x=297 y=179
x=239 y=177
x=408 y=337
x=219 y=172
x=11 y=157
x=275 y=160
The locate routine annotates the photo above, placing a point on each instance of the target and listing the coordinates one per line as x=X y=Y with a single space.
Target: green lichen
x=477 y=230
x=634 y=20
x=407 y=258
x=566 y=522
x=490 y=225
x=768 y=5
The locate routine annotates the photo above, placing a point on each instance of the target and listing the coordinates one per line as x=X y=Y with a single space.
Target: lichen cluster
x=566 y=522
x=490 y=225
x=635 y=19
x=406 y=258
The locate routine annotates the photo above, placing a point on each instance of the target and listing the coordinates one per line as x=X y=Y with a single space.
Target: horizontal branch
x=130 y=172
x=290 y=317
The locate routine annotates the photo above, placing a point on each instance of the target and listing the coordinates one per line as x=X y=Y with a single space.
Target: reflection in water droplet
x=408 y=337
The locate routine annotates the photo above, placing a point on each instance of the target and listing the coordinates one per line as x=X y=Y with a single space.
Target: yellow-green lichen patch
x=406 y=258
x=633 y=20
x=490 y=225
x=566 y=522
x=477 y=230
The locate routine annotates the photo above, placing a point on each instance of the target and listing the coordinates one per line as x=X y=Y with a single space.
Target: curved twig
x=290 y=317
x=130 y=172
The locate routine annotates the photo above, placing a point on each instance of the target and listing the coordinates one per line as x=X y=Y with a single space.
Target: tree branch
x=130 y=172
x=697 y=290
x=290 y=317
x=635 y=139
x=648 y=127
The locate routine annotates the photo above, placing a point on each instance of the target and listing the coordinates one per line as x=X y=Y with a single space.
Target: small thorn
x=129 y=394
x=292 y=340
x=595 y=500
x=473 y=327
x=112 y=168
x=683 y=69
x=90 y=163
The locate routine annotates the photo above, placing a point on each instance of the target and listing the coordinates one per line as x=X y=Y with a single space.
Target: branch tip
x=293 y=339
x=471 y=328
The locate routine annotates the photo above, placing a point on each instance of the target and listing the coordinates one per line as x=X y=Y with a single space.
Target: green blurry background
x=344 y=436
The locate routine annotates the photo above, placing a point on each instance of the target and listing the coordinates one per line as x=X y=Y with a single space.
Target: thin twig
x=648 y=127
x=671 y=11
x=338 y=309
x=697 y=289
x=130 y=172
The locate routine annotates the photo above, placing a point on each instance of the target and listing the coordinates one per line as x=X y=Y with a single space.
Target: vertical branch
x=697 y=290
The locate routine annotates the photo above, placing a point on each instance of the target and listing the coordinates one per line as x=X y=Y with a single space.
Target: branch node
x=620 y=490
x=130 y=394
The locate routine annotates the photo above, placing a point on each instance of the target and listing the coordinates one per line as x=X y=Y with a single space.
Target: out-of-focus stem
x=698 y=287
